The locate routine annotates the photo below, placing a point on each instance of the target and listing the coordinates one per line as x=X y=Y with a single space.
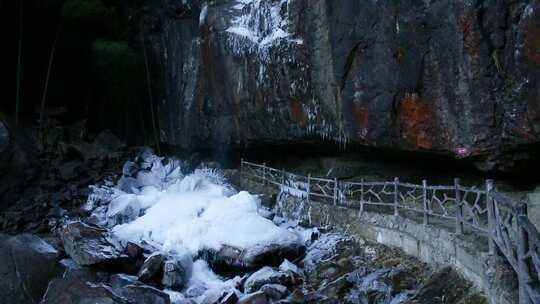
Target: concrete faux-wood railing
x=484 y=212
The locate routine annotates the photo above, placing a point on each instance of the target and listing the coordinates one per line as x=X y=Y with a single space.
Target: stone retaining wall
x=431 y=244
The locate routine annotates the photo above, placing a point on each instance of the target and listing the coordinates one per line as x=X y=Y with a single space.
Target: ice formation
x=180 y=214
x=260 y=24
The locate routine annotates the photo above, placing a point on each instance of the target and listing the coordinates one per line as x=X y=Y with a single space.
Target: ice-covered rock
x=89 y=245
x=123 y=209
x=174 y=274
x=130 y=169
x=231 y=260
x=275 y=291
x=152 y=268
x=128 y=185
x=265 y=275
x=119 y=280
x=273 y=254
x=258 y=297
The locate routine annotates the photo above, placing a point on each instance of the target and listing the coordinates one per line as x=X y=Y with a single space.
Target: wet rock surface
x=378 y=74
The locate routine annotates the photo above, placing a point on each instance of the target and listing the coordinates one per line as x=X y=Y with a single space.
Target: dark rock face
x=89 y=245
x=27 y=264
x=458 y=78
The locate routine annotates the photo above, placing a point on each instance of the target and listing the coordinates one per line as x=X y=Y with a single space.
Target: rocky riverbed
x=162 y=232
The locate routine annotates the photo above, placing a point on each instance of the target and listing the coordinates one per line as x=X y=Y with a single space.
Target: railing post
x=424 y=201
x=523 y=247
x=362 y=195
x=335 y=191
x=241 y=173
x=264 y=174
x=396 y=196
x=459 y=211
x=308 y=185
x=491 y=216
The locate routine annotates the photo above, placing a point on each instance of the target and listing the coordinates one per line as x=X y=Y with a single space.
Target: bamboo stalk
x=150 y=95
x=46 y=87
x=19 y=62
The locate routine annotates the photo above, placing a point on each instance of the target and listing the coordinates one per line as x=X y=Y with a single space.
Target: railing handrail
x=503 y=220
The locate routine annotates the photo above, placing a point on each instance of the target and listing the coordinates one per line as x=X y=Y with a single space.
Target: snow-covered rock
x=266 y=275
x=88 y=245
x=258 y=297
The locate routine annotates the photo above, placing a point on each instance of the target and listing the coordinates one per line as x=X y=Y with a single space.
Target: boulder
x=27 y=265
x=229 y=260
x=118 y=281
x=402 y=279
x=72 y=290
x=266 y=275
x=275 y=291
x=273 y=254
x=92 y=246
x=174 y=274
x=254 y=298
x=77 y=272
x=144 y=294
x=229 y=298
x=295 y=273
x=444 y=286
x=152 y=269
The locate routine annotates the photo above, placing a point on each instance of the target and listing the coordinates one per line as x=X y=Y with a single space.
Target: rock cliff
x=457 y=78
